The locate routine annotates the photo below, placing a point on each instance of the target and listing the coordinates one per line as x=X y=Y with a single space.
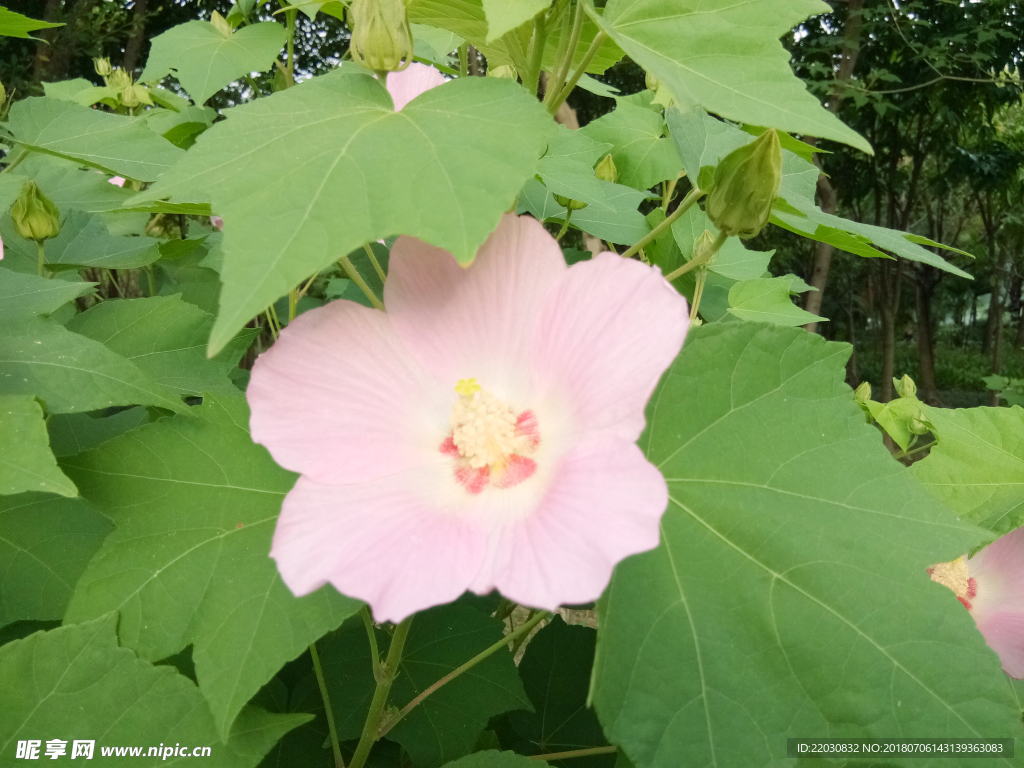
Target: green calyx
x=34 y=214
x=606 y=170
x=381 y=36
x=568 y=202
x=746 y=183
x=905 y=387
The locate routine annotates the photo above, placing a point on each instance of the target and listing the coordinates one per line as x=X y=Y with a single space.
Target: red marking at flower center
x=972 y=592
x=516 y=468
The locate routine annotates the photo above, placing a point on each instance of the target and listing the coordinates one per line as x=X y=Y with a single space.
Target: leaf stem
x=520 y=631
x=555 y=85
x=463 y=60
x=531 y=77
x=339 y=762
x=587 y=58
x=42 y=258
x=565 y=225
x=904 y=454
x=373 y=260
x=389 y=670
x=667 y=197
x=355 y=277
x=684 y=206
x=372 y=635
x=293 y=303
x=576 y=753
x=435 y=65
x=290 y=16
x=22 y=154
x=699 y=261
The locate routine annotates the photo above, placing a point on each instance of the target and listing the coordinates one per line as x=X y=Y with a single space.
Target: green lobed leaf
x=26 y=462
x=733 y=261
x=505 y=15
x=766 y=300
x=24 y=295
x=47 y=542
x=204 y=61
x=11 y=185
x=789 y=593
x=608 y=54
x=116 y=144
x=76 y=682
x=165 y=337
x=355 y=172
x=642 y=156
x=70 y=186
x=732 y=63
x=977 y=465
x=72 y=433
x=466 y=18
x=567 y=169
x=194 y=503
x=15 y=25
x=84 y=241
x=624 y=224
x=492 y=758
x=447 y=723
x=70 y=373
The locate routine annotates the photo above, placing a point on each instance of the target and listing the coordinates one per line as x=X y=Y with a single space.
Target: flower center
x=489 y=441
x=956 y=577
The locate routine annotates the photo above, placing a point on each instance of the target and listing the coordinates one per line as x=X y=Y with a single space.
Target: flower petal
x=475 y=321
x=998 y=571
x=339 y=399
x=1004 y=633
x=415 y=79
x=604 y=503
x=378 y=542
x=606 y=334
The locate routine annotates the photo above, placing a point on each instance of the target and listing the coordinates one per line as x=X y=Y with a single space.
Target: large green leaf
x=76 y=682
x=71 y=373
x=26 y=462
x=493 y=759
x=642 y=155
x=624 y=224
x=72 y=433
x=447 y=723
x=45 y=545
x=355 y=172
x=733 y=260
x=556 y=675
x=70 y=186
x=766 y=300
x=84 y=241
x=977 y=465
x=116 y=144
x=165 y=337
x=731 y=62
x=505 y=15
x=567 y=169
x=24 y=295
x=466 y=18
x=194 y=502
x=789 y=593
x=204 y=60
x=15 y=25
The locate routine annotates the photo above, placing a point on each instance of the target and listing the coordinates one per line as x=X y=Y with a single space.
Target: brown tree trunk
x=890 y=285
x=44 y=48
x=924 y=287
x=136 y=38
x=66 y=43
x=995 y=316
x=826 y=192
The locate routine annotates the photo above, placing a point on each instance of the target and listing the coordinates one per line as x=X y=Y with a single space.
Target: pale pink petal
x=606 y=334
x=217 y=222
x=1 y=249
x=338 y=398
x=604 y=503
x=415 y=79
x=380 y=542
x=117 y=181
x=475 y=322
x=1004 y=633
x=998 y=571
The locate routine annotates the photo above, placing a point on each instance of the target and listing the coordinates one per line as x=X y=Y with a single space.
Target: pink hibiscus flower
x=991 y=586
x=117 y=181
x=480 y=434
x=415 y=79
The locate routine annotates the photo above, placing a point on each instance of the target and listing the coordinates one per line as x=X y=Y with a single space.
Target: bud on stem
x=745 y=185
x=34 y=214
x=381 y=36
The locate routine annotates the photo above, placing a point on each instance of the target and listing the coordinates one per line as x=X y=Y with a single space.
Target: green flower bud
x=745 y=184
x=35 y=216
x=568 y=202
x=102 y=67
x=905 y=387
x=606 y=170
x=919 y=425
x=381 y=36
x=506 y=71
x=863 y=394
x=651 y=81
x=3 y=94
x=702 y=244
x=221 y=24
x=119 y=79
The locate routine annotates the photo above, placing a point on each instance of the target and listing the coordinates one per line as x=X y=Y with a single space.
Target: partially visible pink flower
x=991 y=586
x=1 y=249
x=217 y=223
x=117 y=181
x=480 y=434
x=415 y=79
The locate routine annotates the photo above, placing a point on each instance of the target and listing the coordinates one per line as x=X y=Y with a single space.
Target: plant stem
x=290 y=16
x=684 y=206
x=270 y=323
x=355 y=277
x=256 y=93
x=531 y=77
x=293 y=303
x=42 y=258
x=698 y=291
x=576 y=753
x=587 y=58
x=698 y=261
x=435 y=65
x=565 y=225
x=520 y=631
x=463 y=60
x=373 y=260
x=338 y=761
x=565 y=63
x=371 y=728
x=904 y=454
x=667 y=197
x=370 y=633
x=22 y=154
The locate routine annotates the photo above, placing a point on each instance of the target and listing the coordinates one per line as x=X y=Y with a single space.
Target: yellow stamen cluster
x=483 y=427
x=953 y=575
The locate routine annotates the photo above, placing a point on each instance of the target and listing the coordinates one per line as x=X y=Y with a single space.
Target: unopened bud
x=3 y=94
x=863 y=393
x=102 y=67
x=119 y=79
x=34 y=214
x=651 y=81
x=606 y=170
x=745 y=185
x=221 y=24
x=506 y=71
x=381 y=36
x=702 y=244
x=568 y=202
x=905 y=387
x=919 y=425
x=130 y=96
